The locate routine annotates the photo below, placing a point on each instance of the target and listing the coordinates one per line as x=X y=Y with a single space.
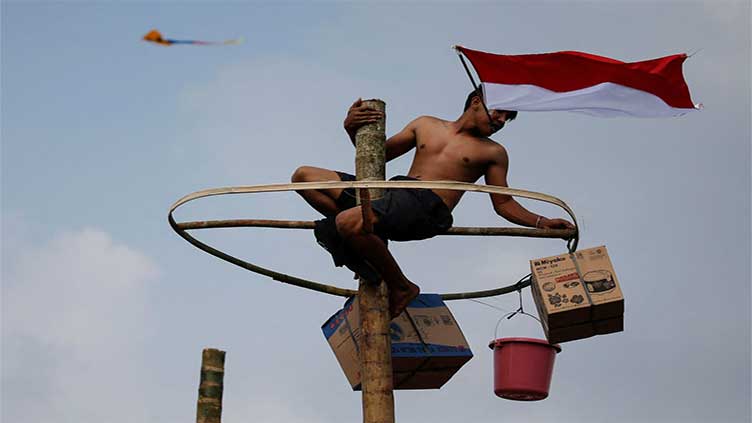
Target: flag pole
x=472 y=80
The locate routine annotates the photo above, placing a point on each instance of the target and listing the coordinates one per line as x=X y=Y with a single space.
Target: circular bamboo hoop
x=572 y=235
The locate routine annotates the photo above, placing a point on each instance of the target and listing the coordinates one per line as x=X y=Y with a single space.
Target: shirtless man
x=444 y=150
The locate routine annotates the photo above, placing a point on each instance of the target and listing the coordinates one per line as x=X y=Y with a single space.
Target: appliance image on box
x=599 y=281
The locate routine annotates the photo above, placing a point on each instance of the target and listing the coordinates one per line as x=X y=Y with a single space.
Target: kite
x=155 y=36
x=581 y=82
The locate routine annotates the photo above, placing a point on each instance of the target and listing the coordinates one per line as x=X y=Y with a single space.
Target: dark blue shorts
x=404 y=214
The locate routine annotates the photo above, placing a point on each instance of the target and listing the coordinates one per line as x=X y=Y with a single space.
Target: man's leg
x=323 y=200
x=373 y=249
x=329 y=202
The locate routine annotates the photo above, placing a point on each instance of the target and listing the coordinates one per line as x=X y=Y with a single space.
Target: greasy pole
x=375 y=344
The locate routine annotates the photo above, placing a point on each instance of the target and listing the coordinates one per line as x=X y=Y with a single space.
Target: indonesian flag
x=582 y=82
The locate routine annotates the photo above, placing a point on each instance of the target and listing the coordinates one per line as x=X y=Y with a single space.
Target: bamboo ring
x=572 y=235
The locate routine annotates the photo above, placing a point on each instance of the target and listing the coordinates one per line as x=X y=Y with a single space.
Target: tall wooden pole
x=209 y=409
x=375 y=344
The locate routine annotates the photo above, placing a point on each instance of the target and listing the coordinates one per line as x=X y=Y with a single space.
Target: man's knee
x=301 y=174
x=314 y=174
x=349 y=223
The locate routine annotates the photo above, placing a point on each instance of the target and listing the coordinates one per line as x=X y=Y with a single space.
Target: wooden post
x=375 y=344
x=210 y=389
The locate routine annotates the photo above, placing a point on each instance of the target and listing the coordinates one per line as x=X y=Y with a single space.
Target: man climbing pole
x=444 y=150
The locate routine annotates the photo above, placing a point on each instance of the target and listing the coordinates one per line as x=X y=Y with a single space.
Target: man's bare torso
x=442 y=154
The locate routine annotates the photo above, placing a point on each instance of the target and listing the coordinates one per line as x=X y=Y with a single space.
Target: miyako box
x=559 y=281
x=566 y=333
x=569 y=333
x=583 y=330
x=428 y=347
x=559 y=295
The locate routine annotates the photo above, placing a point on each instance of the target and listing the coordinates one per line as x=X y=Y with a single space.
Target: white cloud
x=73 y=330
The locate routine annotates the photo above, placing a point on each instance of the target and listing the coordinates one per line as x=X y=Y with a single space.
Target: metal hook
x=519 y=285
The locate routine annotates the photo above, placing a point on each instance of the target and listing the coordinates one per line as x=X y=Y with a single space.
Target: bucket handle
x=509 y=316
x=513 y=313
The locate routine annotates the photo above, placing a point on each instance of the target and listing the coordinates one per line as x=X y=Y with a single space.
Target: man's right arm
x=397 y=145
x=359 y=115
x=403 y=141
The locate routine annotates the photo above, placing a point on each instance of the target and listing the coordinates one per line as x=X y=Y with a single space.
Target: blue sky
x=105 y=310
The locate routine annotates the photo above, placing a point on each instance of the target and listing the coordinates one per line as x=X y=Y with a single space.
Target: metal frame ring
x=181 y=228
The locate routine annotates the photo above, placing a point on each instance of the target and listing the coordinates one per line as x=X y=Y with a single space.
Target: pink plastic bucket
x=523 y=368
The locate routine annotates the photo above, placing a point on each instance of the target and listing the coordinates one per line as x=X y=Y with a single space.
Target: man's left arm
x=507 y=207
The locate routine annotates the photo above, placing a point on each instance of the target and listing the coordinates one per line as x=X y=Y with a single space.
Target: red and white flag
x=582 y=82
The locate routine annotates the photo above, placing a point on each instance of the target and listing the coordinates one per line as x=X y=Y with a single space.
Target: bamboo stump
x=210 y=389
x=375 y=344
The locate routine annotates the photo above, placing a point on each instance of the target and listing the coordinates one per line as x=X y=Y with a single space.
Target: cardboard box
x=577 y=295
x=569 y=333
x=558 y=292
x=428 y=347
x=583 y=330
x=603 y=327
x=600 y=280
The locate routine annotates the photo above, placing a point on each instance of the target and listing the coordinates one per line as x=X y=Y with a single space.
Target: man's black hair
x=511 y=114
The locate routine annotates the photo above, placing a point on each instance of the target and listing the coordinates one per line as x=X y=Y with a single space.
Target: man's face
x=490 y=122
x=498 y=119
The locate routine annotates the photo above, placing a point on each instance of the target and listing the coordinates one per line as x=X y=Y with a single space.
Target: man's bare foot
x=400 y=298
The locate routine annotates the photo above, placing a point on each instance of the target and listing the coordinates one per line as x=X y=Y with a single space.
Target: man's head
x=498 y=117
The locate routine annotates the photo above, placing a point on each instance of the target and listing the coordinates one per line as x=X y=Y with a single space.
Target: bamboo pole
x=209 y=409
x=304 y=224
x=375 y=344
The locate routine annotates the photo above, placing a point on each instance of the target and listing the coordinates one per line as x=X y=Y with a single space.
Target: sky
x=105 y=310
